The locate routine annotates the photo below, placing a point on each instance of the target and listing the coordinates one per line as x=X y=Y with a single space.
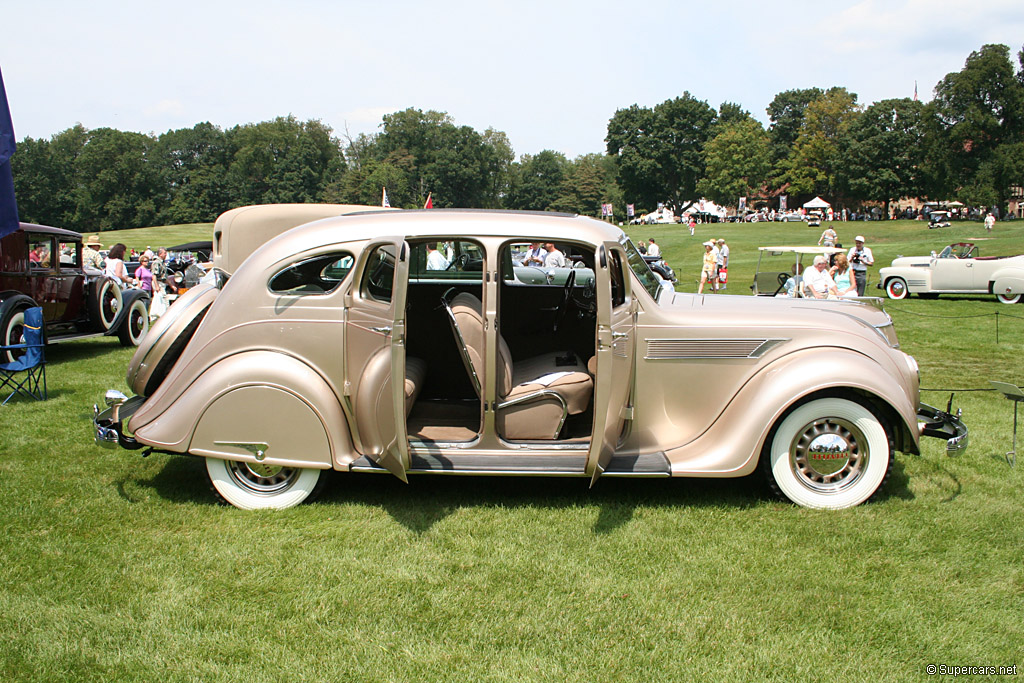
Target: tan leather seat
x=535 y=395
x=415 y=374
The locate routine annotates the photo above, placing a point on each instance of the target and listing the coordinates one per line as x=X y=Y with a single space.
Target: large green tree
x=814 y=166
x=538 y=181
x=117 y=186
x=660 y=151
x=738 y=161
x=282 y=161
x=978 y=110
x=192 y=164
x=786 y=114
x=884 y=153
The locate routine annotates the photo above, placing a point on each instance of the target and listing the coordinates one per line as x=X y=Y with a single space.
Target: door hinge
x=626 y=413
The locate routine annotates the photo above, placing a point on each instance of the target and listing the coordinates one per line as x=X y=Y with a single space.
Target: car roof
x=524 y=225
x=50 y=230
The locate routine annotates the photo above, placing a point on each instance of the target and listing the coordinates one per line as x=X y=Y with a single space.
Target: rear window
x=317 y=275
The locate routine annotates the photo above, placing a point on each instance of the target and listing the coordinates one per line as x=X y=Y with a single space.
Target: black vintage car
x=42 y=266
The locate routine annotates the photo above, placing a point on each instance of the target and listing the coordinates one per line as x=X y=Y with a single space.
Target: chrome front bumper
x=943 y=425
x=107 y=424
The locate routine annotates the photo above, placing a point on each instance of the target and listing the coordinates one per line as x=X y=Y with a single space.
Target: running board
x=650 y=465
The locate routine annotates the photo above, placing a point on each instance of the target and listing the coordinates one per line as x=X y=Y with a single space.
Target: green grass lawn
x=119 y=568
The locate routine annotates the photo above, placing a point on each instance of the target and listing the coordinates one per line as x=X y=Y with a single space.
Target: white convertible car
x=957 y=269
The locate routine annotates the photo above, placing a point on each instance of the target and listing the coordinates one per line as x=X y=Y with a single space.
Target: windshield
x=640 y=268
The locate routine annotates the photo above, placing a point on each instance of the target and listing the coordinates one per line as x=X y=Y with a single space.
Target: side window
x=451 y=259
x=379 y=276
x=40 y=252
x=618 y=283
x=69 y=254
x=317 y=275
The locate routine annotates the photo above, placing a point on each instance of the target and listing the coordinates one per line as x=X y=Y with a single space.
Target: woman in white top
x=115 y=264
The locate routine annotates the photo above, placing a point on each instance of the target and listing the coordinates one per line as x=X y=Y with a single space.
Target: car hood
x=783 y=311
x=910 y=261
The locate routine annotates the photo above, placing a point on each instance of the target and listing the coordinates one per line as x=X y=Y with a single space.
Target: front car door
x=374 y=347
x=616 y=340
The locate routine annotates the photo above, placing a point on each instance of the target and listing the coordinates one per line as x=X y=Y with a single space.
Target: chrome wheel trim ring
x=897 y=289
x=261 y=479
x=828 y=455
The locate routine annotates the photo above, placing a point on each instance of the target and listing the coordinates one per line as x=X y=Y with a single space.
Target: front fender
x=257 y=406
x=917 y=279
x=733 y=443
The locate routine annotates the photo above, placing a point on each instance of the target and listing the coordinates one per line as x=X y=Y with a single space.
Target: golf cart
x=779 y=269
x=938 y=219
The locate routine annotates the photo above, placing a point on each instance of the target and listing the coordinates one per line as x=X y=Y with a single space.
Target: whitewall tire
x=829 y=453
x=135 y=325
x=896 y=288
x=255 y=486
x=1009 y=298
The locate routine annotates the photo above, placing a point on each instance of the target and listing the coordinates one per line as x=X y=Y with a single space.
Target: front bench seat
x=535 y=395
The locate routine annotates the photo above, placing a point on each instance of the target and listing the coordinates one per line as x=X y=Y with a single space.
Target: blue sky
x=548 y=74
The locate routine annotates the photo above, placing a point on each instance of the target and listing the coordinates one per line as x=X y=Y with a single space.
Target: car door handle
x=382 y=330
x=620 y=335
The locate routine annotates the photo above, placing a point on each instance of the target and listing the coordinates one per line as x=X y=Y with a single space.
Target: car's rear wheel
x=255 y=486
x=830 y=453
x=1009 y=298
x=134 y=328
x=896 y=288
x=11 y=327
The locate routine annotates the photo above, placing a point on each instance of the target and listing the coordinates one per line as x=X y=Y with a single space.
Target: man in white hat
x=860 y=258
x=90 y=256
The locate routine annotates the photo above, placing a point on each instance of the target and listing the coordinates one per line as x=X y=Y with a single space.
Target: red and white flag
x=429 y=204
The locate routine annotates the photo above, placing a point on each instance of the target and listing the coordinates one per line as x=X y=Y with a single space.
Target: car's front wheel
x=896 y=288
x=134 y=328
x=830 y=453
x=255 y=486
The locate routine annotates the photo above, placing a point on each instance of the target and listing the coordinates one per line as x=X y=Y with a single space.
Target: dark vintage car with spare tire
x=42 y=266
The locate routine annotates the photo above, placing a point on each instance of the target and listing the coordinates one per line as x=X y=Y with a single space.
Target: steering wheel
x=459 y=262
x=783 y=278
x=563 y=307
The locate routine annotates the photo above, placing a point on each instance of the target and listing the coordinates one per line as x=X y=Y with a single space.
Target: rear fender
x=1008 y=281
x=258 y=406
x=733 y=443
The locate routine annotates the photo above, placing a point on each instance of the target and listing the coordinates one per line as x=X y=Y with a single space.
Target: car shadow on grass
x=82 y=349
x=427 y=500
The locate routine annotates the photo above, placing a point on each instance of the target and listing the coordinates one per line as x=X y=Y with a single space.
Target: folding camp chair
x=26 y=374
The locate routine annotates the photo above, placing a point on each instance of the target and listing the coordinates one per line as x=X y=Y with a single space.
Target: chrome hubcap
x=262 y=479
x=896 y=289
x=826 y=455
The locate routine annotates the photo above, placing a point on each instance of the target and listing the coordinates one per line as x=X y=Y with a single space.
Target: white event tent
x=817 y=203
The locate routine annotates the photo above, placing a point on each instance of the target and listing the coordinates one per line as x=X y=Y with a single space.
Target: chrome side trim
x=685 y=349
x=648 y=465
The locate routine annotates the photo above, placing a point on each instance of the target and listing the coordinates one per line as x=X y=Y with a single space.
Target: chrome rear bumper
x=107 y=425
x=943 y=425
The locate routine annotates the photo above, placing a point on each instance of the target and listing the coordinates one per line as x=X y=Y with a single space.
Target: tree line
x=967 y=143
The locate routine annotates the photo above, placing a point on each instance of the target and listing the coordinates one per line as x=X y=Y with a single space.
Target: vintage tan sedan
x=403 y=342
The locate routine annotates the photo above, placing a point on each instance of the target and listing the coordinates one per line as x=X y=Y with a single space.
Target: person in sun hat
x=90 y=254
x=709 y=268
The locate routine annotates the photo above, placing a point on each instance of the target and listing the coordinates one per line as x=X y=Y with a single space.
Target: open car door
x=375 y=355
x=616 y=339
